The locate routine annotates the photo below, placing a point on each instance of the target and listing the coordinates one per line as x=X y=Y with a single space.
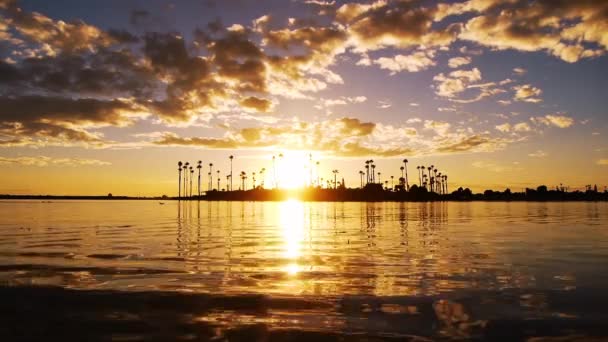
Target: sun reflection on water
x=292 y=221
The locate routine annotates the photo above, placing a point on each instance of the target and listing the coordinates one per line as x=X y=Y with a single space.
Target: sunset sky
x=107 y=96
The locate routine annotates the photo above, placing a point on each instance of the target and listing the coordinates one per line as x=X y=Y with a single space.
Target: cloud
x=30 y=119
x=473 y=143
x=439 y=127
x=455 y=82
x=519 y=71
x=415 y=62
x=602 y=162
x=538 y=154
x=556 y=120
x=347 y=137
x=506 y=127
x=41 y=161
x=258 y=104
x=54 y=36
x=570 y=30
x=456 y=62
x=394 y=24
x=527 y=93
x=458 y=81
x=495 y=166
x=384 y=104
x=519 y=127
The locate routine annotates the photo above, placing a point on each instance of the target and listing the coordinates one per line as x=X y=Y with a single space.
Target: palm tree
x=407 y=181
x=253 y=178
x=199 y=166
x=373 y=172
x=210 y=176
x=179 y=183
x=419 y=176
x=191 y=175
x=243 y=175
x=228 y=179
x=218 y=180
x=317 y=173
x=231 y=157
x=186 y=165
x=430 y=168
x=402 y=176
x=445 y=179
x=379 y=180
x=335 y=172
x=392 y=182
x=440 y=183
x=366 y=171
x=262 y=174
x=361 y=173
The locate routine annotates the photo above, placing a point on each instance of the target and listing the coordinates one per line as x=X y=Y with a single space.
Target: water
x=253 y=270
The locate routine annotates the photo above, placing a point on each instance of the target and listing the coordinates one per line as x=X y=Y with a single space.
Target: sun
x=292 y=170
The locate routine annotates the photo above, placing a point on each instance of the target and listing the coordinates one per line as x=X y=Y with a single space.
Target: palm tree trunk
x=407 y=182
x=179 y=184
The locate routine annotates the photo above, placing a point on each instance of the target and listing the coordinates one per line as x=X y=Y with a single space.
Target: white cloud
x=50 y=161
x=527 y=93
x=455 y=62
x=556 y=120
x=415 y=62
x=538 y=154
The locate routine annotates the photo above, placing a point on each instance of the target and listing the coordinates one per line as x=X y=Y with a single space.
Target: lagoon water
x=294 y=270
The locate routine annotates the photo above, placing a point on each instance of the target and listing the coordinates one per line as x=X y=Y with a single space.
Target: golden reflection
x=291 y=218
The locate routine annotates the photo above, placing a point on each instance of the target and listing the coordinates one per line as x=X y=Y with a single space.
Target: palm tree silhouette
x=317 y=164
x=218 y=180
x=231 y=157
x=335 y=172
x=430 y=168
x=361 y=173
x=228 y=179
x=379 y=180
x=373 y=171
x=199 y=166
x=243 y=175
x=186 y=179
x=179 y=183
x=419 y=176
x=191 y=175
x=392 y=182
x=210 y=176
x=263 y=175
x=402 y=176
x=407 y=181
x=367 y=171
x=253 y=178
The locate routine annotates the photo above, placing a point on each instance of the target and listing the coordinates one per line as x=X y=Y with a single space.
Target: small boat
x=161 y=203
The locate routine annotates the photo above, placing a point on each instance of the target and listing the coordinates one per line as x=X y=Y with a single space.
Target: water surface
x=389 y=270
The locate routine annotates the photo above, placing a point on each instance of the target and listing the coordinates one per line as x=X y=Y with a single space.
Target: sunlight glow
x=292 y=170
x=291 y=216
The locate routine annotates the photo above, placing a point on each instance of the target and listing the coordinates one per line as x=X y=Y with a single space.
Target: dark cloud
x=570 y=30
x=259 y=104
x=60 y=118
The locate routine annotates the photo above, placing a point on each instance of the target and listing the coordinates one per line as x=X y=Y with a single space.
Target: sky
x=102 y=97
